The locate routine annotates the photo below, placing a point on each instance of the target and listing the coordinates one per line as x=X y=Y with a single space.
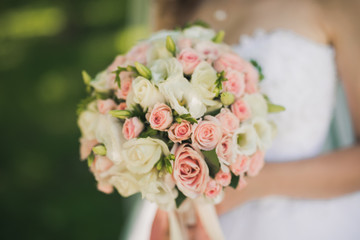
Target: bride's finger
x=160 y=226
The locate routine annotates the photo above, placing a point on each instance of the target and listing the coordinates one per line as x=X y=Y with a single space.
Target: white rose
x=178 y=89
x=159 y=190
x=203 y=82
x=245 y=139
x=144 y=93
x=101 y=83
x=141 y=154
x=258 y=105
x=88 y=123
x=126 y=183
x=161 y=69
x=157 y=50
x=264 y=132
x=199 y=33
x=109 y=132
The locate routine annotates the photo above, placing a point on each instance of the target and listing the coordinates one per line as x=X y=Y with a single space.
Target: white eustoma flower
x=144 y=93
x=199 y=33
x=178 y=91
x=264 y=132
x=88 y=121
x=159 y=190
x=203 y=82
x=245 y=140
x=258 y=105
x=101 y=83
x=161 y=69
x=140 y=155
x=109 y=132
x=157 y=50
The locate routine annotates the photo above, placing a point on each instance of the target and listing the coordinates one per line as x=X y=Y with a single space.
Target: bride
x=303 y=46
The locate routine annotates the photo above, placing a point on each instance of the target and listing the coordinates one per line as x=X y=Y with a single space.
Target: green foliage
x=196 y=23
x=218 y=83
x=258 y=67
x=82 y=105
x=186 y=117
x=212 y=161
x=180 y=198
x=90 y=159
x=234 y=181
x=219 y=37
x=143 y=71
x=117 y=75
x=149 y=132
x=99 y=150
x=273 y=108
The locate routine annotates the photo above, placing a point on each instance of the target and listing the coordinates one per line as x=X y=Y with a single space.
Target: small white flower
x=140 y=155
x=258 y=105
x=161 y=69
x=101 y=82
x=144 y=93
x=245 y=140
x=264 y=132
x=199 y=33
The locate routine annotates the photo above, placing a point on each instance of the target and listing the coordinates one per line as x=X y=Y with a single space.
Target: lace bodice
x=300 y=74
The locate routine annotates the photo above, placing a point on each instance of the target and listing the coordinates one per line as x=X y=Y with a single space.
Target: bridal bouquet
x=180 y=116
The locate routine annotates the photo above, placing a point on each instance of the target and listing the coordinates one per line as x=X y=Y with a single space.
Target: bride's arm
x=328 y=175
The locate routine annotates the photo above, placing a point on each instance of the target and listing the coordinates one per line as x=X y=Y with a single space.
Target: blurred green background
x=46 y=192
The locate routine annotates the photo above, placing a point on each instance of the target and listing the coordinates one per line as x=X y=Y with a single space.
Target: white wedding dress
x=300 y=74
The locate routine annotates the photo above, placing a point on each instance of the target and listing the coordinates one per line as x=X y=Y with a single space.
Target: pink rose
x=105 y=187
x=189 y=59
x=213 y=189
x=179 y=132
x=225 y=150
x=235 y=83
x=241 y=165
x=120 y=61
x=251 y=79
x=184 y=43
x=104 y=106
x=160 y=117
x=241 y=109
x=229 y=61
x=121 y=106
x=138 y=53
x=86 y=147
x=132 y=128
x=126 y=79
x=99 y=166
x=190 y=171
x=229 y=122
x=256 y=163
x=223 y=178
x=207 y=133
x=208 y=49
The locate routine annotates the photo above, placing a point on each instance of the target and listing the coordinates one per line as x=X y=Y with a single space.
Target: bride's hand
x=160 y=228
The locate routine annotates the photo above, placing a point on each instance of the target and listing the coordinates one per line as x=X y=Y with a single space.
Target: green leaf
x=117 y=75
x=273 y=108
x=138 y=111
x=186 y=117
x=87 y=79
x=180 y=198
x=90 y=159
x=170 y=45
x=212 y=161
x=99 y=150
x=196 y=23
x=122 y=114
x=143 y=70
x=234 y=180
x=219 y=37
x=258 y=67
x=218 y=82
x=149 y=132
x=82 y=105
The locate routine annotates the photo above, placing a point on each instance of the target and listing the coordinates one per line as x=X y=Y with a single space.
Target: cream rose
x=245 y=139
x=103 y=82
x=144 y=93
x=190 y=171
x=207 y=133
x=160 y=117
x=141 y=154
x=125 y=183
